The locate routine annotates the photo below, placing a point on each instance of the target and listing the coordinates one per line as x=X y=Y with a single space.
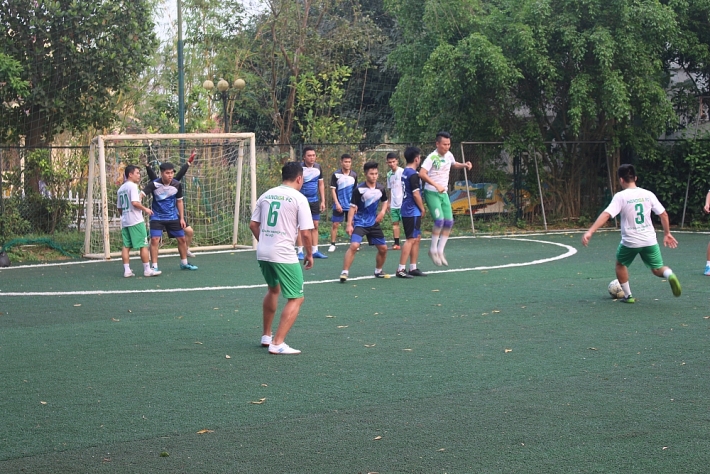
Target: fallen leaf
x=341 y=327
x=665 y=447
x=164 y=454
x=77 y=305
x=377 y=438
x=130 y=311
x=592 y=348
x=215 y=308
x=227 y=356
x=434 y=291
x=260 y=402
x=114 y=319
x=106 y=460
x=441 y=450
x=376 y=314
x=508 y=350
x=198 y=342
x=410 y=350
x=369 y=345
x=329 y=316
x=264 y=385
x=205 y=431
x=495 y=311
x=43 y=403
x=484 y=314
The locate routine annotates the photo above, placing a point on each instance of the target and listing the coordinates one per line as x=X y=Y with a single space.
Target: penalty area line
x=570 y=251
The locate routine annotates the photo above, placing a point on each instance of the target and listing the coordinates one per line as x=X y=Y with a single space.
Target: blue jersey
x=343 y=185
x=165 y=198
x=410 y=185
x=311 y=176
x=366 y=199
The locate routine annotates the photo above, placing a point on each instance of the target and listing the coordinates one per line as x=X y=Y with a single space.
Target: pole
x=223 y=95
x=181 y=81
x=539 y=188
x=468 y=191
x=695 y=140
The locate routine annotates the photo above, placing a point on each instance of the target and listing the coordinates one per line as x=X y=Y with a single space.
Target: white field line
x=570 y=251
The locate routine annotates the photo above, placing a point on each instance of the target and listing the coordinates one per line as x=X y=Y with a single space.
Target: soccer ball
x=615 y=290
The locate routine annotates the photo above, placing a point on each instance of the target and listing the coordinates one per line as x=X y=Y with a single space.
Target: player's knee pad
x=439 y=223
x=448 y=223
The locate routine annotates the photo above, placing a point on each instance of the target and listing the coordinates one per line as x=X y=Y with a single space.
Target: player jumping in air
x=638 y=237
x=364 y=220
x=435 y=173
x=280 y=214
x=342 y=183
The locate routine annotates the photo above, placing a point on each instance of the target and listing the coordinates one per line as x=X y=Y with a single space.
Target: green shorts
x=135 y=236
x=396 y=215
x=288 y=275
x=650 y=255
x=439 y=205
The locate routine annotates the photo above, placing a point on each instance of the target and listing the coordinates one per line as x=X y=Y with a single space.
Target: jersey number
x=639 y=214
x=273 y=213
x=123 y=202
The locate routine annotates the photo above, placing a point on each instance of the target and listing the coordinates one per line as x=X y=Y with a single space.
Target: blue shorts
x=339 y=216
x=374 y=235
x=315 y=210
x=173 y=229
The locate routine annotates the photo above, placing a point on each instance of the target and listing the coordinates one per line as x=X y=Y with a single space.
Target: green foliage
x=76 y=56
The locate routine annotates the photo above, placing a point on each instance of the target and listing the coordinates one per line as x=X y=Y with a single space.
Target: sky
x=165 y=20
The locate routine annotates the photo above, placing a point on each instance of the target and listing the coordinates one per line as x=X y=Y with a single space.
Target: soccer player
x=342 y=183
x=394 y=184
x=638 y=237
x=133 y=230
x=189 y=232
x=312 y=188
x=364 y=220
x=706 y=208
x=280 y=214
x=412 y=212
x=168 y=214
x=435 y=173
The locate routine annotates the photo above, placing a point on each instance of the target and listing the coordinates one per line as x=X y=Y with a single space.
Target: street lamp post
x=225 y=93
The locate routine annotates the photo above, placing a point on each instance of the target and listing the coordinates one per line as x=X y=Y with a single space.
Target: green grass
x=520 y=369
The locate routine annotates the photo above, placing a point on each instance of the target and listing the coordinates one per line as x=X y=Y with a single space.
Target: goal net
x=219 y=187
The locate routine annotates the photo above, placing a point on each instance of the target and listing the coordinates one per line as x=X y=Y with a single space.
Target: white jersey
x=280 y=211
x=635 y=206
x=394 y=182
x=438 y=168
x=127 y=194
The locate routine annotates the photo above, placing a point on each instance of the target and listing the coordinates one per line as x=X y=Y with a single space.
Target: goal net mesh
x=217 y=189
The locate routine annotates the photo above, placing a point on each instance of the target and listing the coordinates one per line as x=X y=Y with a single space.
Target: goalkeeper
x=189 y=232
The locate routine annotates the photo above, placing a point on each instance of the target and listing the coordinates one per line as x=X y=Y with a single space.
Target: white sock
x=155 y=265
x=442 y=243
x=126 y=267
x=400 y=268
x=314 y=248
x=183 y=261
x=300 y=249
x=626 y=288
x=668 y=272
x=378 y=270
x=708 y=263
x=146 y=267
x=412 y=266
x=434 y=243
x=344 y=272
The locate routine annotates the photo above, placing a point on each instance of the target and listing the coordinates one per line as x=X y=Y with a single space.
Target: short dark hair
x=410 y=153
x=166 y=166
x=291 y=171
x=441 y=135
x=369 y=166
x=346 y=156
x=392 y=154
x=627 y=173
x=306 y=149
x=129 y=170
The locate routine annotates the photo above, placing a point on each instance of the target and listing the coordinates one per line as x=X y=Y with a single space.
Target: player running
x=280 y=214
x=638 y=237
x=133 y=230
x=364 y=220
x=435 y=173
x=412 y=213
x=394 y=184
x=342 y=183
x=312 y=188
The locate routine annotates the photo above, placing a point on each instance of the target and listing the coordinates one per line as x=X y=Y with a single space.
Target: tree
x=76 y=56
x=560 y=70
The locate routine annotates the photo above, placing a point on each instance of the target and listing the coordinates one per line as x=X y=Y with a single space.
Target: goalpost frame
x=100 y=140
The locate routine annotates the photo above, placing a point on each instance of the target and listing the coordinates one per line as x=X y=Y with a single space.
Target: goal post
x=219 y=187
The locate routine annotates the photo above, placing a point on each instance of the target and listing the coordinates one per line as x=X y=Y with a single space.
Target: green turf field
x=513 y=359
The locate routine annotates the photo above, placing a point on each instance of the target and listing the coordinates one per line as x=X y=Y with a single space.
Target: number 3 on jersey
x=639 y=214
x=273 y=213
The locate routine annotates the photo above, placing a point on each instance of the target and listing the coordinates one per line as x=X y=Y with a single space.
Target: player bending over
x=638 y=237
x=412 y=213
x=364 y=220
x=279 y=215
x=133 y=230
x=394 y=184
